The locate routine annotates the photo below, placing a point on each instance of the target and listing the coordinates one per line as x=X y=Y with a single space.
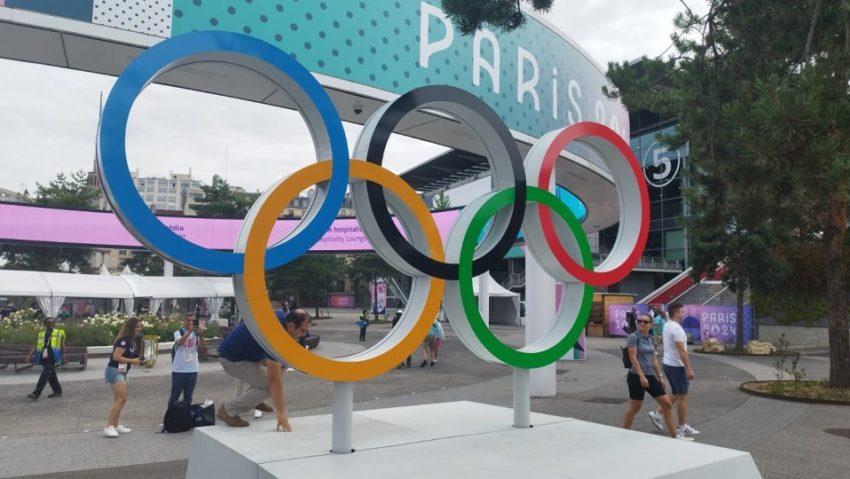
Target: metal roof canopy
x=44 y=39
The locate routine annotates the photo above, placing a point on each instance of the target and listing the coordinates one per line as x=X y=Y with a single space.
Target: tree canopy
x=505 y=15
x=760 y=89
x=63 y=192
x=309 y=279
x=220 y=201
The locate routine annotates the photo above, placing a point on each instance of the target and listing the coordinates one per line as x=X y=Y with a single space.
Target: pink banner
x=34 y=224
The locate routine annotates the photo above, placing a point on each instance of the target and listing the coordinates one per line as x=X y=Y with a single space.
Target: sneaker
x=424 y=363
x=687 y=430
x=656 y=419
x=684 y=438
x=123 y=430
x=55 y=394
x=232 y=421
x=258 y=414
x=33 y=396
x=263 y=407
x=109 y=431
x=432 y=364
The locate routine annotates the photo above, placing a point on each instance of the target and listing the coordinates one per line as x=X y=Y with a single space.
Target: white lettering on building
x=479 y=63
x=527 y=86
x=427 y=48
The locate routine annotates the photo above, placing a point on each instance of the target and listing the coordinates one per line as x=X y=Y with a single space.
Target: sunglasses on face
x=643 y=321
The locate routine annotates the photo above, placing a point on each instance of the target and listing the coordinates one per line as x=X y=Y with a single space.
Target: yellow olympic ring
x=359 y=366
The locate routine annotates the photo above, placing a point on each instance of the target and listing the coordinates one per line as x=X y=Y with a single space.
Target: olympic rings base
x=470 y=440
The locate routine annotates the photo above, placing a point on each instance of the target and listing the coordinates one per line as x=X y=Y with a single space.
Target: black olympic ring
x=476 y=114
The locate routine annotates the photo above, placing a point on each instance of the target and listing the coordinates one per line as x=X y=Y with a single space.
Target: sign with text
x=701 y=321
x=32 y=224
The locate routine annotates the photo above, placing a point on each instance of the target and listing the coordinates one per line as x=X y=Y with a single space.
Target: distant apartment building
x=10 y=196
x=175 y=194
x=297 y=207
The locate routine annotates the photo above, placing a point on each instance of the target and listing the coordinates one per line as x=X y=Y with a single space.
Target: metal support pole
x=343 y=411
x=522 y=398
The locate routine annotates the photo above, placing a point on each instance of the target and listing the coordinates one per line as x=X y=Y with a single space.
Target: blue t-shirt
x=239 y=345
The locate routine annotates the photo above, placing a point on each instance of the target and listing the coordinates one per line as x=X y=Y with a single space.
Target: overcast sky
x=48 y=115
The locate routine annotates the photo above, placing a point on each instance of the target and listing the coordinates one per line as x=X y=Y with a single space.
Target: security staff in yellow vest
x=50 y=352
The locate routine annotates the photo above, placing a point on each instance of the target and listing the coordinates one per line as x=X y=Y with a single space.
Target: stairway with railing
x=681 y=284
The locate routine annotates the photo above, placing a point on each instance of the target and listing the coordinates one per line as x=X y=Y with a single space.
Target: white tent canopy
x=23 y=283
x=86 y=286
x=179 y=286
x=504 y=304
x=48 y=288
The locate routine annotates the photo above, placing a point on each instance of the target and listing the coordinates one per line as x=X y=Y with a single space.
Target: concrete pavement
x=786 y=439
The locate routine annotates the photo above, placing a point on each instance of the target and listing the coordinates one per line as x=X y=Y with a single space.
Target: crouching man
x=243 y=358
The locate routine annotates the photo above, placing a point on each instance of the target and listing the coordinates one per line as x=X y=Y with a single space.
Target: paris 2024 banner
x=701 y=321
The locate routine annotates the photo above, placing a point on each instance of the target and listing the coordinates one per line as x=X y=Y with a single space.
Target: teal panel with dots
x=377 y=43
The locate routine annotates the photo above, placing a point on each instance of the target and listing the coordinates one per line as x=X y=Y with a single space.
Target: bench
x=74 y=354
x=19 y=355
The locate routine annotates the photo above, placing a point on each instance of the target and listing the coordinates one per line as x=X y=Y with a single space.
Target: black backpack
x=627 y=361
x=178 y=417
x=203 y=416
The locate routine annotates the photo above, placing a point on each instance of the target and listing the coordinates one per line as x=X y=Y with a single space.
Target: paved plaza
x=786 y=439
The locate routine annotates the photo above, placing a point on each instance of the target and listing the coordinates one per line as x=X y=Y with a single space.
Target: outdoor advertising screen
x=33 y=224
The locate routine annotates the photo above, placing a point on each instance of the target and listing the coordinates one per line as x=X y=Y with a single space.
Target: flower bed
x=804 y=391
x=22 y=327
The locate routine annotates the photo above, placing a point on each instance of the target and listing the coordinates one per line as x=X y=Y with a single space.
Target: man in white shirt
x=677 y=368
x=184 y=364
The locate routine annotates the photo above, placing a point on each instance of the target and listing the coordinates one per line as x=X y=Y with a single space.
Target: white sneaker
x=258 y=414
x=123 y=430
x=656 y=419
x=684 y=438
x=687 y=430
x=109 y=431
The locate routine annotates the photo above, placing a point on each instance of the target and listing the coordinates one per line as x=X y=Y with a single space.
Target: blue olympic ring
x=115 y=171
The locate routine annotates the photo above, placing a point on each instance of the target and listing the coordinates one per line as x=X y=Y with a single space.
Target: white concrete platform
x=456 y=439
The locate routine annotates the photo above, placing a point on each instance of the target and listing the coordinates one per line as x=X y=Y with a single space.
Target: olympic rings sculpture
x=438 y=274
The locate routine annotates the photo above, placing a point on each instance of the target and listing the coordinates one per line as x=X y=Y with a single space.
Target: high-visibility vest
x=55 y=342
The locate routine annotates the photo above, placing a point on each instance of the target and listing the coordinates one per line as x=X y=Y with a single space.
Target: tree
x=505 y=15
x=65 y=192
x=62 y=192
x=760 y=90
x=442 y=202
x=220 y=201
x=309 y=278
x=367 y=268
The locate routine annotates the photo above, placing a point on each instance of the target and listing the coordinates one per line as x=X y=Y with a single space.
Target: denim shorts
x=113 y=376
x=678 y=379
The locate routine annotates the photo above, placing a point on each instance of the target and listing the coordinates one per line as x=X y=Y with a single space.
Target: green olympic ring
x=517 y=357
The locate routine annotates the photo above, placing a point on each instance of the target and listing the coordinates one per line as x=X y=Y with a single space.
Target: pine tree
x=760 y=91
x=504 y=15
